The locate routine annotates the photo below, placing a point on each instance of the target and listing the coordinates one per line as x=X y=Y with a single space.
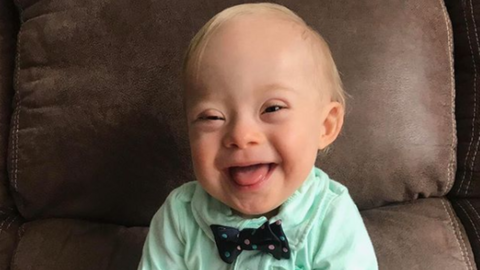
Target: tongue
x=249 y=175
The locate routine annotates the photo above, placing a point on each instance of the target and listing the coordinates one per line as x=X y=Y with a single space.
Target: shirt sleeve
x=164 y=247
x=345 y=243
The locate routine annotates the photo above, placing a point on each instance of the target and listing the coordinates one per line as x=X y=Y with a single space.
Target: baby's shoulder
x=182 y=194
x=329 y=187
x=177 y=204
x=336 y=188
x=334 y=199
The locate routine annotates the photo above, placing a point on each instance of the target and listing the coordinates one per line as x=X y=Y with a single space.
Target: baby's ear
x=332 y=117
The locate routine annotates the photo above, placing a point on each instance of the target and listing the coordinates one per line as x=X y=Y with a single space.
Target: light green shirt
x=322 y=224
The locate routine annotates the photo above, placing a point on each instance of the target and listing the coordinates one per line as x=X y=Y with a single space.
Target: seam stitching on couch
x=470 y=219
x=474 y=210
x=11 y=222
x=1 y=225
x=474 y=97
x=18 y=106
x=478 y=137
x=458 y=237
x=453 y=153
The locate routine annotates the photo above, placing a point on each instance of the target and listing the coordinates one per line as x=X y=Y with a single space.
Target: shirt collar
x=297 y=213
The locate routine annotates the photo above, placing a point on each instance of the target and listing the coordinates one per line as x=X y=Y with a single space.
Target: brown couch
x=93 y=136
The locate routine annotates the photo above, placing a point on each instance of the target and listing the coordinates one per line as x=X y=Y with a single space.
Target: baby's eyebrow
x=274 y=86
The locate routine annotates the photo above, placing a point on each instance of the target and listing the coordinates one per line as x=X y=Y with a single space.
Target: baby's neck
x=268 y=215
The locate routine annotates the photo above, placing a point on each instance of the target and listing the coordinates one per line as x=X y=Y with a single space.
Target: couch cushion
x=465 y=16
x=398 y=141
x=100 y=130
x=424 y=234
x=73 y=244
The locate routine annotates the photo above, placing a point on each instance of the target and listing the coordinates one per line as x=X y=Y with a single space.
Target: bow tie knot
x=268 y=238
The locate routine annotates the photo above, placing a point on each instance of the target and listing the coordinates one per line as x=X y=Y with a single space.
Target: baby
x=262 y=97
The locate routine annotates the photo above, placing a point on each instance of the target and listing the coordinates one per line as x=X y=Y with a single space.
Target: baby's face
x=255 y=110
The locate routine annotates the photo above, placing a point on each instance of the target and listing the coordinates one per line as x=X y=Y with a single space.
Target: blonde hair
x=197 y=46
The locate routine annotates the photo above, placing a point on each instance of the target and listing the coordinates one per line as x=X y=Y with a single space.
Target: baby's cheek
x=201 y=154
x=297 y=146
x=297 y=134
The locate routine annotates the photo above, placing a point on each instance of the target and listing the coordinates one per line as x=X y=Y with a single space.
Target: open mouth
x=251 y=176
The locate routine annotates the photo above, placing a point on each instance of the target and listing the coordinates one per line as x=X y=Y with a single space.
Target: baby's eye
x=212 y=117
x=273 y=108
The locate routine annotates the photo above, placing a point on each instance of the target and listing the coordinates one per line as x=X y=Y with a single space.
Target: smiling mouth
x=252 y=176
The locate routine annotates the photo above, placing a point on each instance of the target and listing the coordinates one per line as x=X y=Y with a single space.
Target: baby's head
x=262 y=97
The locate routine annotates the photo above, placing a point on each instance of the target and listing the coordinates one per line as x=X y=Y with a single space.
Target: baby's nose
x=242 y=135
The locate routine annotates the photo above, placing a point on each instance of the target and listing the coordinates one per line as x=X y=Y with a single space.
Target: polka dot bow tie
x=268 y=238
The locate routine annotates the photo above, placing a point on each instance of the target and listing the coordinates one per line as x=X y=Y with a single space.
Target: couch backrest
x=399 y=141
x=98 y=129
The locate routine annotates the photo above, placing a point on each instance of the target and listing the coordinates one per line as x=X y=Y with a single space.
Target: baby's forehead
x=272 y=27
x=265 y=24
x=253 y=31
